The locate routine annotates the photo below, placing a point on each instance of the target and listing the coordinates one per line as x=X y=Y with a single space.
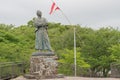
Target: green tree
x=95 y=49
x=115 y=50
x=67 y=59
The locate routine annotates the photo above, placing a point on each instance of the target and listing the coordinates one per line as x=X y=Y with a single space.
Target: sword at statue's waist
x=42 y=27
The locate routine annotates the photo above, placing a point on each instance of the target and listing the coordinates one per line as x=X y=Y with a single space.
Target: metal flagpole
x=75 y=49
x=75 y=63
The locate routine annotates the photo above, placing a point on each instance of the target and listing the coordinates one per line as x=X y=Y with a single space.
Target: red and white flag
x=54 y=7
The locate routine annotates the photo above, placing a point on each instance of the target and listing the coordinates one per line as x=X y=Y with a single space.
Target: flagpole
x=75 y=50
x=75 y=63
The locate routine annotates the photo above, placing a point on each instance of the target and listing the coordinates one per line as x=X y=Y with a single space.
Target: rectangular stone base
x=44 y=65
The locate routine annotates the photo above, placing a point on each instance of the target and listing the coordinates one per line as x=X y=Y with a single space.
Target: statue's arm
x=36 y=24
x=40 y=23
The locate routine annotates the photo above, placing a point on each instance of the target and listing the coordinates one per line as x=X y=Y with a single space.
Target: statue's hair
x=39 y=13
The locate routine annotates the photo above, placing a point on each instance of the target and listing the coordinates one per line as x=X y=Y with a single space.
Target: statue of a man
x=42 y=40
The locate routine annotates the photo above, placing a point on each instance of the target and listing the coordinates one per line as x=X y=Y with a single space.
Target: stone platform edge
x=43 y=54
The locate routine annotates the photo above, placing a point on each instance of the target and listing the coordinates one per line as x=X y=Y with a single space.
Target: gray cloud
x=93 y=13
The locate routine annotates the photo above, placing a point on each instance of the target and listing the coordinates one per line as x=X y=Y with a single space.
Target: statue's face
x=39 y=13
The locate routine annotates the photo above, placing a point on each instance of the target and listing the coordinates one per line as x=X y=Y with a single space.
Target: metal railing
x=11 y=69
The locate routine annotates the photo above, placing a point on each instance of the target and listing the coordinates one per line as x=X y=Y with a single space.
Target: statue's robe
x=42 y=40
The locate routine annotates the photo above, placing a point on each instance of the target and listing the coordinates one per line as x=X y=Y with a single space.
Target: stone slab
x=29 y=76
x=43 y=54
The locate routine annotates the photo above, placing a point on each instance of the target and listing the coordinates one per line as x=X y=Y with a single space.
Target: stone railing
x=11 y=69
x=115 y=70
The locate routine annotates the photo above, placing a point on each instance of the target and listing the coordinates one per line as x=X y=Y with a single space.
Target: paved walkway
x=70 y=78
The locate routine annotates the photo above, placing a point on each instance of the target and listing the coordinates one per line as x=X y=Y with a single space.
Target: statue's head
x=39 y=13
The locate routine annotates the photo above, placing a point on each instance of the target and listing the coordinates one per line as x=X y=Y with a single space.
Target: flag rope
x=63 y=14
x=75 y=62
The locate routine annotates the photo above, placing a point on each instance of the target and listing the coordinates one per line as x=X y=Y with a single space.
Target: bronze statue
x=42 y=40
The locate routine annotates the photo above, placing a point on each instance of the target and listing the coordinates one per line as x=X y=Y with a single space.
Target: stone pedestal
x=43 y=64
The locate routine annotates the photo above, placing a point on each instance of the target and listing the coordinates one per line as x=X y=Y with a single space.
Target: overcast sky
x=90 y=13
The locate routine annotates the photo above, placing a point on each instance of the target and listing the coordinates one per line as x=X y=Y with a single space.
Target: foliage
x=67 y=62
x=67 y=57
x=96 y=49
x=115 y=52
